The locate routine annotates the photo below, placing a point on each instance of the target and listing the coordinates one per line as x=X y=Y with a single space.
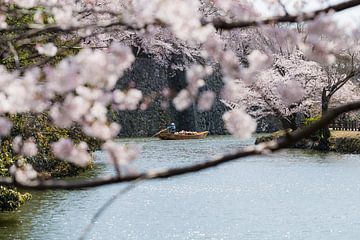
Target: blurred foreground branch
x=221 y=24
x=259 y=149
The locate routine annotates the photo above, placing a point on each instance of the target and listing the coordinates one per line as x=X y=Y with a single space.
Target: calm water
x=292 y=195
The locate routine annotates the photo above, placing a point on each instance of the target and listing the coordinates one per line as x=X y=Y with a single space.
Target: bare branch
x=262 y=148
x=16 y=55
x=221 y=24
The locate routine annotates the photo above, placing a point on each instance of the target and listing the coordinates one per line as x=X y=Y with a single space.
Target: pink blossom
x=183 y=100
x=133 y=97
x=206 y=100
x=258 y=61
x=291 y=92
x=127 y=100
x=64 y=16
x=26 y=148
x=48 y=49
x=23 y=174
x=26 y=3
x=29 y=148
x=3 y=23
x=239 y=123
x=121 y=154
x=38 y=17
x=73 y=109
x=194 y=77
x=101 y=130
x=17 y=144
x=66 y=150
x=5 y=126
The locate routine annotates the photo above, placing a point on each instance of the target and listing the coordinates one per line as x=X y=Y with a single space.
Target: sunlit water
x=292 y=195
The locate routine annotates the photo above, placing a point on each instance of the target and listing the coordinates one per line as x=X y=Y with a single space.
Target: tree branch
x=222 y=24
x=262 y=148
x=103 y=208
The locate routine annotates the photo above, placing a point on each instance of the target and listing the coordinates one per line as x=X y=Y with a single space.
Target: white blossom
x=48 y=49
x=3 y=23
x=65 y=149
x=291 y=92
x=239 y=123
x=206 y=100
x=23 y=174
x=26 y=148
x=121 y=154
x=5 y=126
x=183 y=100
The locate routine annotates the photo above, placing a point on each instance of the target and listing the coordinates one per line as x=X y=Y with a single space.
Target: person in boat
x=171 y=128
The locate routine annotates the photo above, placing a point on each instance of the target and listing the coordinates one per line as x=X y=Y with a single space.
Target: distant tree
x=342 y=78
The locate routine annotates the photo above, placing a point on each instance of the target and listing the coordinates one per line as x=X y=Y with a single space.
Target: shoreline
x=340 y=141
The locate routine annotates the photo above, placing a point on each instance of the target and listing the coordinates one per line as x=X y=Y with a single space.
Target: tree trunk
x=324 y=143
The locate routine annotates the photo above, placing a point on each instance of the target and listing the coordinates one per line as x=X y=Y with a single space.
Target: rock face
x=269 y=124
x=151 y=78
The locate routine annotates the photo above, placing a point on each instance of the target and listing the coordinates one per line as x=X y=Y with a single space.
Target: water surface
x=291 y=195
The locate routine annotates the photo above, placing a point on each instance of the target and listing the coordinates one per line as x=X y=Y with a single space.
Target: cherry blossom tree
x=341 y=85
x=79 y=90
x=293 y=83
x=289 y=86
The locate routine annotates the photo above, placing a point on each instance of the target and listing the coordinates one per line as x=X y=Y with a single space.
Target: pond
x=291 y=195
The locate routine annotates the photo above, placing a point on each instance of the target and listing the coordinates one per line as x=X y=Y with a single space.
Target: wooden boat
x=182 y=135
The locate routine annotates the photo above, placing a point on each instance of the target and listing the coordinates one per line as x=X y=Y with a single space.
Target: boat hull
x=179 y=136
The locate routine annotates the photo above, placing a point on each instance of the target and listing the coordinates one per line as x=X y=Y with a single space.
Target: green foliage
x=318 y=134
x=6 y=156
x=37 y=126
x=11 y=200
x=27 y=54
x=40 y=128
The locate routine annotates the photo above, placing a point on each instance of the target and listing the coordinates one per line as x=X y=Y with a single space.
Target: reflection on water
x=291 y=195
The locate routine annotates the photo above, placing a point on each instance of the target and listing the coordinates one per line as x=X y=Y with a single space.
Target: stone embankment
x=340 y=141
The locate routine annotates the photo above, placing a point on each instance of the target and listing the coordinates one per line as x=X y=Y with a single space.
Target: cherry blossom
x=48 y=49
x=3 y=23
x=239 y=123
x=26 y=148
x=127 y=100
x=206 y=100
x=291 y=92
x=66 y=150
x=5 y=126
x=120 y=154
x=24 y=173
x=183 y=100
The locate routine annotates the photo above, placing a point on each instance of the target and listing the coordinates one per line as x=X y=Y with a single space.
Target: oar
x=159 y=132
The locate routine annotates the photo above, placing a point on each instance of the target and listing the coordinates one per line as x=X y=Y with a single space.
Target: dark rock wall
x=212 y=120
x=147 y=76
x=151 y=78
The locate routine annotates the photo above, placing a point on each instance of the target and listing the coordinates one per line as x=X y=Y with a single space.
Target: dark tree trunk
x=324 y=143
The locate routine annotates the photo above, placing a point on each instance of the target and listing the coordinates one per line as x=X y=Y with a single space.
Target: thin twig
x=103 y=208
x=306 y=16
x=16 y=55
